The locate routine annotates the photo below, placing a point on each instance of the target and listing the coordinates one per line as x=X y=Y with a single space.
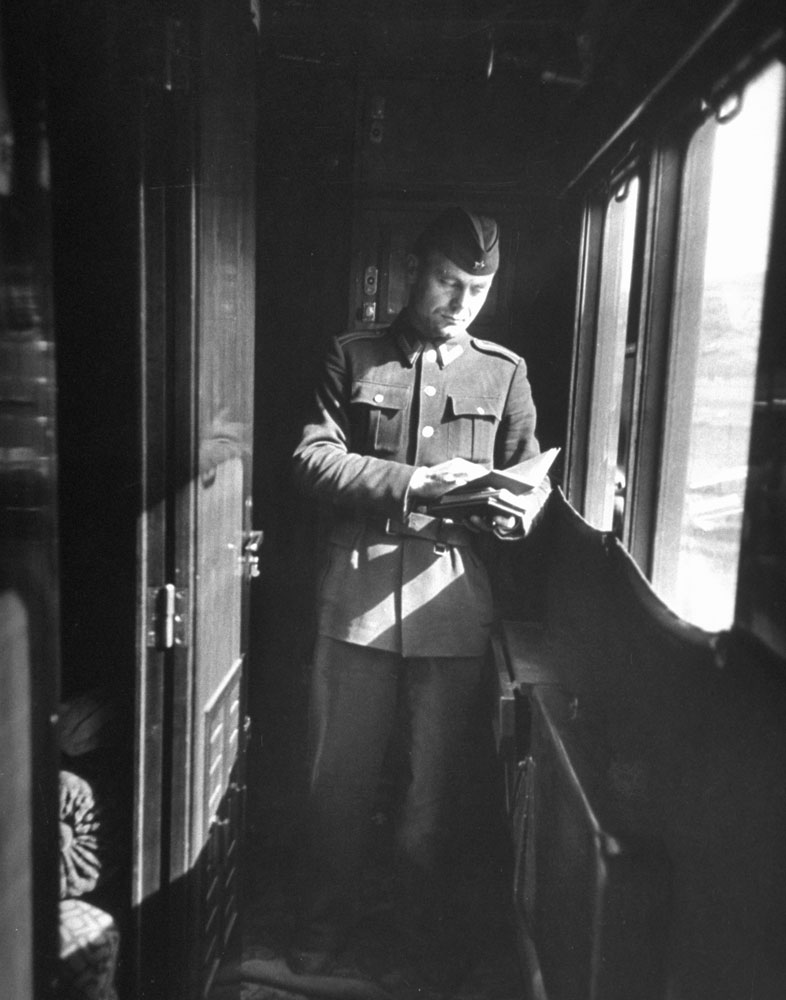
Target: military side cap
x=471 y=241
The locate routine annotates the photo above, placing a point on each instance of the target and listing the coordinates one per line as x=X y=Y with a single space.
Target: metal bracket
x=250 y=557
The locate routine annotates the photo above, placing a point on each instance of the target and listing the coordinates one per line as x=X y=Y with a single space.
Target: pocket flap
x=476 y=406
x=380 y=395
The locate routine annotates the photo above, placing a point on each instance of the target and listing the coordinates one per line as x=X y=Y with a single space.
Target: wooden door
x=221 y=492
x=198 y=233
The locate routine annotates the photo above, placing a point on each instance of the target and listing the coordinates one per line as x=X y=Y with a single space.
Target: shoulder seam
x=492 y=348
x=347 y=338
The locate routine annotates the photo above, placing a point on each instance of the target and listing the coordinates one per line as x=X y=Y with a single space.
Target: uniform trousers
x=358 y=695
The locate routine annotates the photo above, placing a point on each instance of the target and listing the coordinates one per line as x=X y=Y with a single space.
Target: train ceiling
x=551 y=41
x=577 y=66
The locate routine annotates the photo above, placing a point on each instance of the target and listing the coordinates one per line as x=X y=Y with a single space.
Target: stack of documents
x=499 y=491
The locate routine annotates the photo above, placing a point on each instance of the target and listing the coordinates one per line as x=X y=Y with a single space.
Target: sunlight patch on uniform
x=431 y=578
x=380 y=551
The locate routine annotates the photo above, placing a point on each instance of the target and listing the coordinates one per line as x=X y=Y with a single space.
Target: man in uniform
x=404 y=606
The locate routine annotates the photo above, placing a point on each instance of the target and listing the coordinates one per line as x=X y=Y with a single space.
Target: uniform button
x=430 y=355
x=378 y=398
x=430 y=390
x=427 y=432
x=481 y=410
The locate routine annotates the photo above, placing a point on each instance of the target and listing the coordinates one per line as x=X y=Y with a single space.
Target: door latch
x=251 y=553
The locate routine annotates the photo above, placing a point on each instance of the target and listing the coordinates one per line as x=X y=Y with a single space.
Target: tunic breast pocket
x=379 y=414
x=472 y=427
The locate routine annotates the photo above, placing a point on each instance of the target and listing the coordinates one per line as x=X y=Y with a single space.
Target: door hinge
x=166 y=623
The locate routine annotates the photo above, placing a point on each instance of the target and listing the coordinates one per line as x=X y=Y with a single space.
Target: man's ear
x=412 y=268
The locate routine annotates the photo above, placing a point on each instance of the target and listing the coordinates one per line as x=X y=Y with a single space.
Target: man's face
x=443 y=299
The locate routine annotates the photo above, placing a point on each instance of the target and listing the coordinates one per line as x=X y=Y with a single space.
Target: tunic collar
x=412 y=345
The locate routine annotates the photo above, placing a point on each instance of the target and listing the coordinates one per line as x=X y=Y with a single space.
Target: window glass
x=605 y=477
x=725 y=221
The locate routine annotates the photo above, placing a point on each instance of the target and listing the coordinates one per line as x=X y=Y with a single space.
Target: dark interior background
x=495 y=105
x=498 y=104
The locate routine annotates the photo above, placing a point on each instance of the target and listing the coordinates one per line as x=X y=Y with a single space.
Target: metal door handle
x=251 y=553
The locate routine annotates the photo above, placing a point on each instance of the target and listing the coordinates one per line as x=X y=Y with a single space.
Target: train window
x=728 y=192
x=606 y=446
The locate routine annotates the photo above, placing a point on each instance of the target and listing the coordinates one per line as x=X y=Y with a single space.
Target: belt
x=432 y=529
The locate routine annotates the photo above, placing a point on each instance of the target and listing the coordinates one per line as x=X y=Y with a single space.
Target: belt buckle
x=440 y=548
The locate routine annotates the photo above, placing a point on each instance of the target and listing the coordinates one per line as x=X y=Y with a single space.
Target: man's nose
x=460 y=298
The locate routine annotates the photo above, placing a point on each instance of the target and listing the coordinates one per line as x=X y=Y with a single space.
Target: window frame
x=584 y=341
x=605 y=300
x=661 y=133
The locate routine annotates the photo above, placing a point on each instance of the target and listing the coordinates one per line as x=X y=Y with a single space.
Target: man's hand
x=502 y=525
x=428 y=483
x=505 y=526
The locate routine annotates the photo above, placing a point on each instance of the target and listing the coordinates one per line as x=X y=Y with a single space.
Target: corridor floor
x=376 y=953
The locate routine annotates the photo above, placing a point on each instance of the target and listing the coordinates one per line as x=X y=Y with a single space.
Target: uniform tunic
x=395 y=579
